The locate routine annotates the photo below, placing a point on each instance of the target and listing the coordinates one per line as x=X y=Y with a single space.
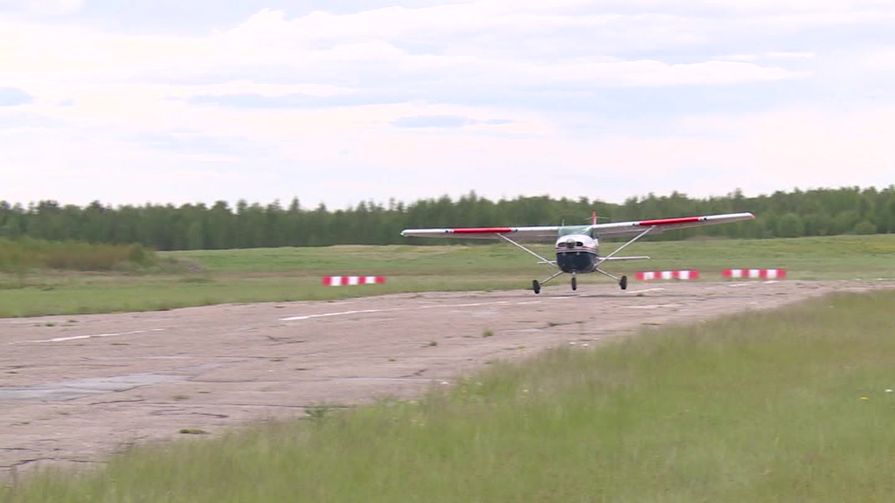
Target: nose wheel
x=574 y=283
x=623 y=282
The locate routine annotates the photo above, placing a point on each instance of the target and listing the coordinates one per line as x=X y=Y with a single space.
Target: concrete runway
x=75 y=389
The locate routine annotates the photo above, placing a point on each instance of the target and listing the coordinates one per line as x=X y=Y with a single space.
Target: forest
x=817 y=212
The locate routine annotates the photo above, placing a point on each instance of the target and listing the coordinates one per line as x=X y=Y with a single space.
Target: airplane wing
x=544 y=233
x=666 y=224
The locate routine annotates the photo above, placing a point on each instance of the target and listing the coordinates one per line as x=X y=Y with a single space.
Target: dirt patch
x=75 y=389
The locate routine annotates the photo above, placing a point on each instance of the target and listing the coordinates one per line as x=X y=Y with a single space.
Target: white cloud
x=488 y=68
x=42 y=7
x=879 y=59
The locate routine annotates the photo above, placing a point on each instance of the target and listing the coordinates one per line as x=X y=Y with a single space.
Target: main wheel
x=574 y=283
x=623 y=282
x=536 y=286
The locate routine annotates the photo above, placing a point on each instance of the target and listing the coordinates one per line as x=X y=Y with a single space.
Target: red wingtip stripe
x=482 y=230
x=671 y=221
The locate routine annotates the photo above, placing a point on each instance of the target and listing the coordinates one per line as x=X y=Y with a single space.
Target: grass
x=194 y=278
x=791 y=405
x=20 y=255
x=814 y=258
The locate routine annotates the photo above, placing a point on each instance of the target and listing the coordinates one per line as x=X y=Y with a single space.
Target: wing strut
x=623 y=281
x=542 y=259
x=622 y=247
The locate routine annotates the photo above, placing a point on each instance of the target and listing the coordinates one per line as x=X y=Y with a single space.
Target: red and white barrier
x=684 y=275
x=353 y=280
x=754 y=273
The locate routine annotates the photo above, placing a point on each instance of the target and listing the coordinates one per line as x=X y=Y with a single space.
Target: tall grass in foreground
x=789 y=405
x=20 y=255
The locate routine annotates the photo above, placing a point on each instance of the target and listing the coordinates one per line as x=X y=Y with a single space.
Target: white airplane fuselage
x=577 y=253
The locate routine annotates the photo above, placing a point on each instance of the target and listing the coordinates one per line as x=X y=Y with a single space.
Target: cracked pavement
x=76 y=389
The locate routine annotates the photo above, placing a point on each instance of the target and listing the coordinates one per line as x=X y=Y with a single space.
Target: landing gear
x=574 y=283
x=536 y=285
x=622 y=281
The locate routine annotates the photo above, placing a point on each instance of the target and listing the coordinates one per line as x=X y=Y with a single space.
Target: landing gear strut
x=622 y=281
x=536 y=285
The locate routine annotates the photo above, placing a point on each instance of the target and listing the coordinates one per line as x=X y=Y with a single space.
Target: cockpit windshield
x=574 y=229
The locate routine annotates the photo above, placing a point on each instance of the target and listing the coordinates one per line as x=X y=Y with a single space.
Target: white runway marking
x=652 y=306
x=93 y=336
x=398 y=309
x=341 y=313
x=753 y=283
x=453 y=306
x=648 y=290
x=472 y=304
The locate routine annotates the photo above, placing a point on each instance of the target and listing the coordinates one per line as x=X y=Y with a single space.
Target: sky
x=169 y=101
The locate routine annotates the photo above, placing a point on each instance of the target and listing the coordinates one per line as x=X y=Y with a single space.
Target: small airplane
x=577 y=246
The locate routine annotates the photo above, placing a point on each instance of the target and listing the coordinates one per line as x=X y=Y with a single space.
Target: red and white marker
x=754 y=273
x=353 y=280
x=685 y=275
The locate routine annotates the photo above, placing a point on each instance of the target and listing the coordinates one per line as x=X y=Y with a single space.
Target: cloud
x=615 y=97
x=444 y=121
x=879 y=59
x=10 y=96
x=433 y=121
x=290 y=100
x=453 y=48
x=771 y=55
x=42 y=7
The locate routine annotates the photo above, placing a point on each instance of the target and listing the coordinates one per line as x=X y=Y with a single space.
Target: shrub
x=26 y=253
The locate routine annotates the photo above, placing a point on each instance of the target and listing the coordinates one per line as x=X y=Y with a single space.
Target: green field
x=792 y=405
x=280 y=274
x=20 y=256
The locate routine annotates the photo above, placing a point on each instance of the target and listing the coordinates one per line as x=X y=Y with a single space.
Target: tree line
x=820 y=212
